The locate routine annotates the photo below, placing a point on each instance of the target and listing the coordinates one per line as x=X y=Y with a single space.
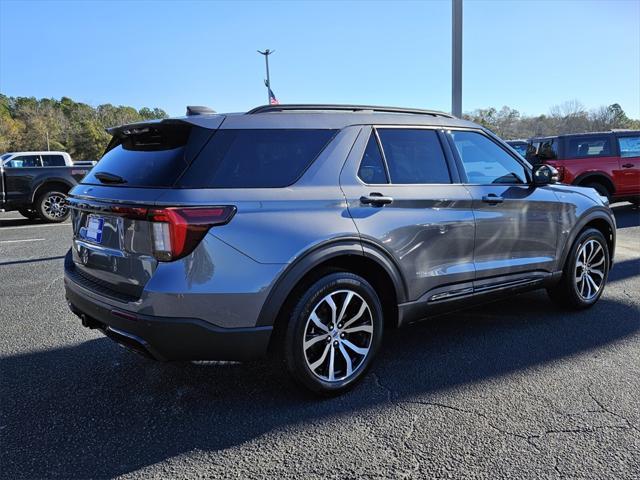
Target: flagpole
x=267 y=82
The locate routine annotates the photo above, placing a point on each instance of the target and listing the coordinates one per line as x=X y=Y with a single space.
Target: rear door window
x=629 y=146
x=261 y=158
x=589 y=146
x=53 y=161
x=414 y=156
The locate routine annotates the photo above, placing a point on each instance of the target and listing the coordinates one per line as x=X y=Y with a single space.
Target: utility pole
x=267 y=82
x=47 y=132
x=456 y=58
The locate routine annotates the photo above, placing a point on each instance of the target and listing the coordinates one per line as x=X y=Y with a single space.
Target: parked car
x=608 y=162
x=303 y=230
x=36 y=183
x=519 y=146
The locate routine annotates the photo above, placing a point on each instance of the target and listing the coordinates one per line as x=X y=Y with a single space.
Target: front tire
x=585 y=273
x=52 y=206
x=333 y=334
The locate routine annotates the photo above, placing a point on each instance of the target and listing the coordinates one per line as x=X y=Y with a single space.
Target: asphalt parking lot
x=512 y=389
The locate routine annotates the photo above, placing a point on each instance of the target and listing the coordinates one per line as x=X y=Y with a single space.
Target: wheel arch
x=599 y=220
x=348 y=254
x=597 y=176
x=45 y=185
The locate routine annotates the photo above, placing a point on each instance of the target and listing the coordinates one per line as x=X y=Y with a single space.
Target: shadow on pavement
x=94 y=410
x=624 y=269
x=626 y=216
x=31 y=260
x=19 y=222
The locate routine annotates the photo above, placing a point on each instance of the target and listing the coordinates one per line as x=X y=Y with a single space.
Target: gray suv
x=305 y=231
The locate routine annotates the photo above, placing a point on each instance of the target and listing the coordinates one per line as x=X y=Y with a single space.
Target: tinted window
x=414 y=156
x=629 y=146
x=255 y=158
x=148 y=157
x=485 y=162
x=24 y=161
x=372 y=166
x=520 y=147
x=538 y=151
x=592 y=146
x=53 y=161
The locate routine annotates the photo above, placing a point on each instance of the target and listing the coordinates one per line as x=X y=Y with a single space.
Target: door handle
x=628 y=165
x=492 y=198
x=376 y=199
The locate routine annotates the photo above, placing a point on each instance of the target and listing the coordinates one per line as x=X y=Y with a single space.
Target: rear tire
x=29 y=213
x=333 y=334
x=52 y=207
x=585 y=272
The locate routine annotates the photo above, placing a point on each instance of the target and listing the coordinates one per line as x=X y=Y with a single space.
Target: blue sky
x=529 y=55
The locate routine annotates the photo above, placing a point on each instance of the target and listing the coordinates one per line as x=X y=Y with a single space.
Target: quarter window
x=485 y=162
x=591 y=146
x=53 y=161
x=372 y=166
x=255 y=158
x=414 y=156
x=629 y=146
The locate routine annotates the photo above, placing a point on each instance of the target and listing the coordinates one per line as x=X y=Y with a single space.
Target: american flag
x=272 y=98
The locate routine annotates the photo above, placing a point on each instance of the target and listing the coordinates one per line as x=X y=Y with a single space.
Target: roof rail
x=344 y=108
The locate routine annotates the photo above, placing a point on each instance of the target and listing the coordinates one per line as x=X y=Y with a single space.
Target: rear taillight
x=177 y=230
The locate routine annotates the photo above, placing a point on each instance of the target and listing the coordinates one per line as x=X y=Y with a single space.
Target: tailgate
x=111 y=253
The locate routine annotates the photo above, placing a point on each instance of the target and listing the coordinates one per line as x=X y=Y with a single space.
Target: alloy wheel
x=338 y=335
x=55 y=205
x=590 y=269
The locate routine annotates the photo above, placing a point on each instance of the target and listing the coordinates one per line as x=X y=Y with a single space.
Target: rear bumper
x=167 y=338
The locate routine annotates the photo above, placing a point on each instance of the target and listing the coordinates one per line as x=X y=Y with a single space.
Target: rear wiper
x=106 y=177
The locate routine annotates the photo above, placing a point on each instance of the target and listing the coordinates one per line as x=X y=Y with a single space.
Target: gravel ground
x=512 y=389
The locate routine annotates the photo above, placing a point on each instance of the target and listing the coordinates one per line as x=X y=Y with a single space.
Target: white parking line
x=2 y=229
x=23 y=240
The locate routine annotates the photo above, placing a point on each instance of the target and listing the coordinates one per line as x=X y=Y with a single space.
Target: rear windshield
x=255 y=158
x=150 y=156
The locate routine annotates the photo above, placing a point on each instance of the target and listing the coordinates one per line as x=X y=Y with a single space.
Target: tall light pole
x=456 y=57
x=267 y=82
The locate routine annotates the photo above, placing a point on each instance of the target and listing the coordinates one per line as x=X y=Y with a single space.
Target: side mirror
x=545 y=175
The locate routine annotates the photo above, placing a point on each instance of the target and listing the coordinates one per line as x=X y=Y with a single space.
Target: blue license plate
x=94 y=229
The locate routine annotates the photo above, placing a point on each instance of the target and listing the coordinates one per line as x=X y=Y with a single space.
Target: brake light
x=177 y=230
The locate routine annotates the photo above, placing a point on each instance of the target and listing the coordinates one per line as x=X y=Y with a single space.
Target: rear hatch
x=152 y=197
x=113 y=232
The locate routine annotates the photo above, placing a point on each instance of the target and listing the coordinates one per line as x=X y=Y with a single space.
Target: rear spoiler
x=211 y=122
x=204 y=121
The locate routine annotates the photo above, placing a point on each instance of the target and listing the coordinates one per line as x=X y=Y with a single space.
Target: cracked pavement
x=513 y=389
